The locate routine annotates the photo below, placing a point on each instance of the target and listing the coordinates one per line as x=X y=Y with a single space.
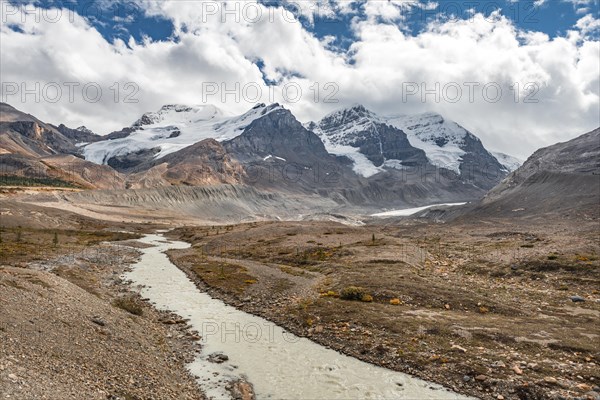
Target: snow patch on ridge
x=361 y=164
x=439 y=138
x=509 y=162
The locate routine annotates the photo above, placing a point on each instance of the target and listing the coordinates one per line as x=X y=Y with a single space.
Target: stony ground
x=492 y=309
x=69 y=328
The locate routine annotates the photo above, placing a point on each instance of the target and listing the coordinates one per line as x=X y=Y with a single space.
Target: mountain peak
x=266 y=108
x=355 y=110
x=84 y=129
x=357 y=107
x=180 y=113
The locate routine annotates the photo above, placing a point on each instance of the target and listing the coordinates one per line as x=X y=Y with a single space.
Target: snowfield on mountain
x=175 y=127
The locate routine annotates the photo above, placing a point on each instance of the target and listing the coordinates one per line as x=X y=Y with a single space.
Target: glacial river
x=279 y=364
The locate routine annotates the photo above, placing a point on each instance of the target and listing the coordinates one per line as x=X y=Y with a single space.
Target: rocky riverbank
x=71 y=329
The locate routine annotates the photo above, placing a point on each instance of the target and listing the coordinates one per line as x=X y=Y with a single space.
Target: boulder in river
x=217 y=358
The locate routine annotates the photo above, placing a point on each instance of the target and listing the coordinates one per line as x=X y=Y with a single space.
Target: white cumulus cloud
x=549 y=86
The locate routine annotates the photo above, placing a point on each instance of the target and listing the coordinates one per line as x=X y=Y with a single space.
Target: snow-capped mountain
x=364 y=137
x=367 y=139
x=173 y=128
x=442 y=140
x=269 y=149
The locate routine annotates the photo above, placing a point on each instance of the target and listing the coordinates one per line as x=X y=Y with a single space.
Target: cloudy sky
x=518 y=74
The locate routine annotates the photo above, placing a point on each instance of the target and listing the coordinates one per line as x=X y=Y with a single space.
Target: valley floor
x=485 y=308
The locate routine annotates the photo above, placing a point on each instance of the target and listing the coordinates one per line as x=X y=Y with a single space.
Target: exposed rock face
x=478 y=166
x=277 y=134
x=424 y=141
x=278 y=153
x=204 y=163
x=33 y=138
x=21 y=133
x=565 y=176
x=30 y=148
x=361 y=128
x=79 y=135
x=129 y=161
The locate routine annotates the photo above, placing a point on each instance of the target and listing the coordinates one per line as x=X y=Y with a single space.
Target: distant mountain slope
x=23 y=134
x=201 y=164
x=36 y=153
x=78 y=136
x=509 y=162
x=279 y=153
x=358 y=133
x=352 y=157
x=448 y=145
x=562 y=177
x=378 y=143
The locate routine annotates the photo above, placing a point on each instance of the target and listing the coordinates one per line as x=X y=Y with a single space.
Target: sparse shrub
x=55 y=239
x=352 y=293
x=552 y=257
x=129 y=304
x=483 y=310
x=250 y=281
x=395 y=302
x=367 y=298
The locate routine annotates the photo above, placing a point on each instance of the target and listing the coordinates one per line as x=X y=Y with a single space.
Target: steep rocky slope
x=201 y=164
x=23 y=134
x=33 y=153
x=557 y=179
